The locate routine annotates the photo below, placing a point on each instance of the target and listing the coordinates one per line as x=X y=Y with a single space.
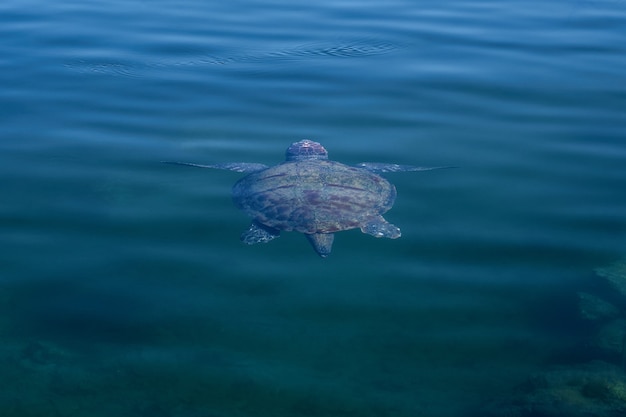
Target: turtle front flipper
x=382 y=167
x=321 y=242
x=258 y=233
x=379 y=227
x=230 y=166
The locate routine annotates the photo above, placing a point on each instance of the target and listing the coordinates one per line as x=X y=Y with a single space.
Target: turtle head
x=305 y=150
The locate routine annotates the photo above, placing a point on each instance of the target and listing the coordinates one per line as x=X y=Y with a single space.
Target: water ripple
x=342 y=49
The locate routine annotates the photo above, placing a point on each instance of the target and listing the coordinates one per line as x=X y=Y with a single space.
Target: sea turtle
x=310 y=194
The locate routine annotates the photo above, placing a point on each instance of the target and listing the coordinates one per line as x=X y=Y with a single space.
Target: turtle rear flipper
x=379 y=227
x=258 y=233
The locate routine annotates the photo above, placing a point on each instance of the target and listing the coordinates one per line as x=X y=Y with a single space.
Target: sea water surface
x=124 y=288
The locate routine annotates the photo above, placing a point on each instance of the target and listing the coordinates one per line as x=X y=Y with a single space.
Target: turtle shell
x=313 y=196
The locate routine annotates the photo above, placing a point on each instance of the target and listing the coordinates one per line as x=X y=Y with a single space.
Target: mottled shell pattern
x=310 y=194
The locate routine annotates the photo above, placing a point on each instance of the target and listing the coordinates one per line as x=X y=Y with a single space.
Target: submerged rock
x=615 y=274
x=596 y=388
x=41 y=355
x=593 y=389
x=610 y=338
x=595 y=308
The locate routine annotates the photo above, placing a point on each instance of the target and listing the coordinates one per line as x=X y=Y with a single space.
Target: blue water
x=124 y=288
